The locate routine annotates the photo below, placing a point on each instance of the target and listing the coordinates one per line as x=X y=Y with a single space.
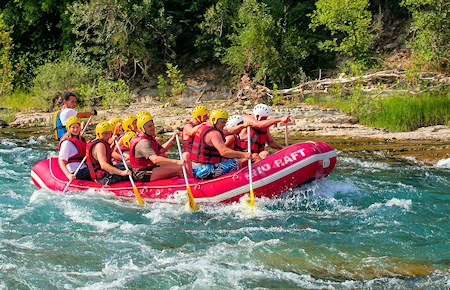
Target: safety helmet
x=218 y=114
x=72 y=120
x=127 y=138
x=143 y=113
x=198 y=113
x=114 y=121
x=260 y=111
x=142 y=121
x=127 y=123
x=101 y=128
x=234 y=121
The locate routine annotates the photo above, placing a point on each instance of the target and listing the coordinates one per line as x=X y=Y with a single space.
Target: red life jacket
x=187 y=142
x=240 y=145
x=142 y=162
x=95 y=170
x=80 y=144
x=202 y=152
x=258 y=140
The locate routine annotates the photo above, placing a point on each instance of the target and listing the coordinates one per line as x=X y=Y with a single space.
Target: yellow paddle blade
x=191 y=200
x=138 y=196
x=251 y=202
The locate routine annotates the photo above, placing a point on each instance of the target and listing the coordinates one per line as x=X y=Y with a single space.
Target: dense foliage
x=55 y=45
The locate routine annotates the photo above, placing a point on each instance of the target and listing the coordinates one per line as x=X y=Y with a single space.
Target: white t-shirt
x=67 y=150
x=65 y=114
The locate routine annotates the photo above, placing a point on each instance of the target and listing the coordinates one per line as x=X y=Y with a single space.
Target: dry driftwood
x=394 y=77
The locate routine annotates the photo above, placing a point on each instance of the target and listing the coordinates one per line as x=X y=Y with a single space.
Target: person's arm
x=229 y=141
x=166 y=146
x=159 y=160
x=85 y=114
x=266 y=123
x=191 y=130
x=216 y=139
x=233 y=130
x=272 y=142
x=63 y=158
x=100 y=149
x=62 y=165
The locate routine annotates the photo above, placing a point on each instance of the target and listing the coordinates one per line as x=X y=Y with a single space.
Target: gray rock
x=3 y=124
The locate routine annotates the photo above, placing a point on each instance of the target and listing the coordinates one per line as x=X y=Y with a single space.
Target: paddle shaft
x=136 y=192
x=191 y=200
x=250 y=178
x=286 y=135
x=75 y=173
x=85 y=126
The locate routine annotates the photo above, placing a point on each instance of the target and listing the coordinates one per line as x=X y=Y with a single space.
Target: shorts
x=113 y=178
x=208 y=171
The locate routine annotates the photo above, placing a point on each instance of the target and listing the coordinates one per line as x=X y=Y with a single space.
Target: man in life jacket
x=99 y=158
x=199 y=115
x=67 y=110
x=260 y=135
x=145 y=153
x=210 y=157
x=129 y=123
x=124 y=144
x=72 y=149
x=234 y=141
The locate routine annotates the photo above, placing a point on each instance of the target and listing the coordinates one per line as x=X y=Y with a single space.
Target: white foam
x=373 y=166
x=83 y=216
x=443 y=163
x=402 y=203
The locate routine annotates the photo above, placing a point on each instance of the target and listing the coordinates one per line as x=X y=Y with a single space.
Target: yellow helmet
x=127 y=138
x=218 y=114
x=114 y=121
x=101 y=128
x=72 y=120
x=127 y=123
x=142 y=121
x=143 y=113
x=198 y=113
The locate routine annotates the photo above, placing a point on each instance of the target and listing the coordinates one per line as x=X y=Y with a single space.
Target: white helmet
x=234 y=120
x=260 y=111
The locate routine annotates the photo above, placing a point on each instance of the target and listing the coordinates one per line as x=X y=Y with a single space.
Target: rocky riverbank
x=427 y=145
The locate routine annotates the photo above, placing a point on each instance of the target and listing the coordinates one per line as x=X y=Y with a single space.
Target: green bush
x=6 y=68
x=110 y=93
x=177 y=85
x=54 y=78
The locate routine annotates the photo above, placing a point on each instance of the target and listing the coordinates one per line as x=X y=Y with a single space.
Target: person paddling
x=260 y=135
x=60 y=117
x=145 y=153
x=99 y=158
x=234 y=141
x=72 y=149
x=210 y=156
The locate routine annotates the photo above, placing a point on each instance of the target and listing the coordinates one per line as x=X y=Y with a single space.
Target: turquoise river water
x=373 y=223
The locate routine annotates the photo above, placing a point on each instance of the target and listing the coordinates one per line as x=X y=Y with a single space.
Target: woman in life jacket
x=72 y=149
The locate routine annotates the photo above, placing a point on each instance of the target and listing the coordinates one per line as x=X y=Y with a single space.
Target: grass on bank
x=19 y=101
x=397 y=113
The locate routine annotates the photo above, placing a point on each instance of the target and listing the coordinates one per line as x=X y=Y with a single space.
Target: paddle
x=85 y=126
x=136 y=192
x=250 y=178
x=75 y=173
x=190 y=198
x=286 y=136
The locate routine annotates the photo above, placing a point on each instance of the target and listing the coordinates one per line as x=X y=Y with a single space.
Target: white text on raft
x=285 y=160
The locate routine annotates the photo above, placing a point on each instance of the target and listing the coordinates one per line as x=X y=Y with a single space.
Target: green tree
x=263 y=47
x=122 y=35
x=6 y=68
x=430 y=30
x=348 y=21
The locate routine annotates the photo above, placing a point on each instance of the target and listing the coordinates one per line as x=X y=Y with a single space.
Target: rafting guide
x=67 y=110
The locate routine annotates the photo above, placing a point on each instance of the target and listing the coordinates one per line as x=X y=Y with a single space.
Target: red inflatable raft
x=272 y=176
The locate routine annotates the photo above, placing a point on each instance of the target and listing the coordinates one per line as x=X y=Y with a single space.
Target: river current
x=372 y=223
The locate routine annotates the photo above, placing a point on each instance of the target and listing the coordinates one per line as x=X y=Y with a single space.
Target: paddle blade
x=138 y=196
x=191 y=200
x=251 y=202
